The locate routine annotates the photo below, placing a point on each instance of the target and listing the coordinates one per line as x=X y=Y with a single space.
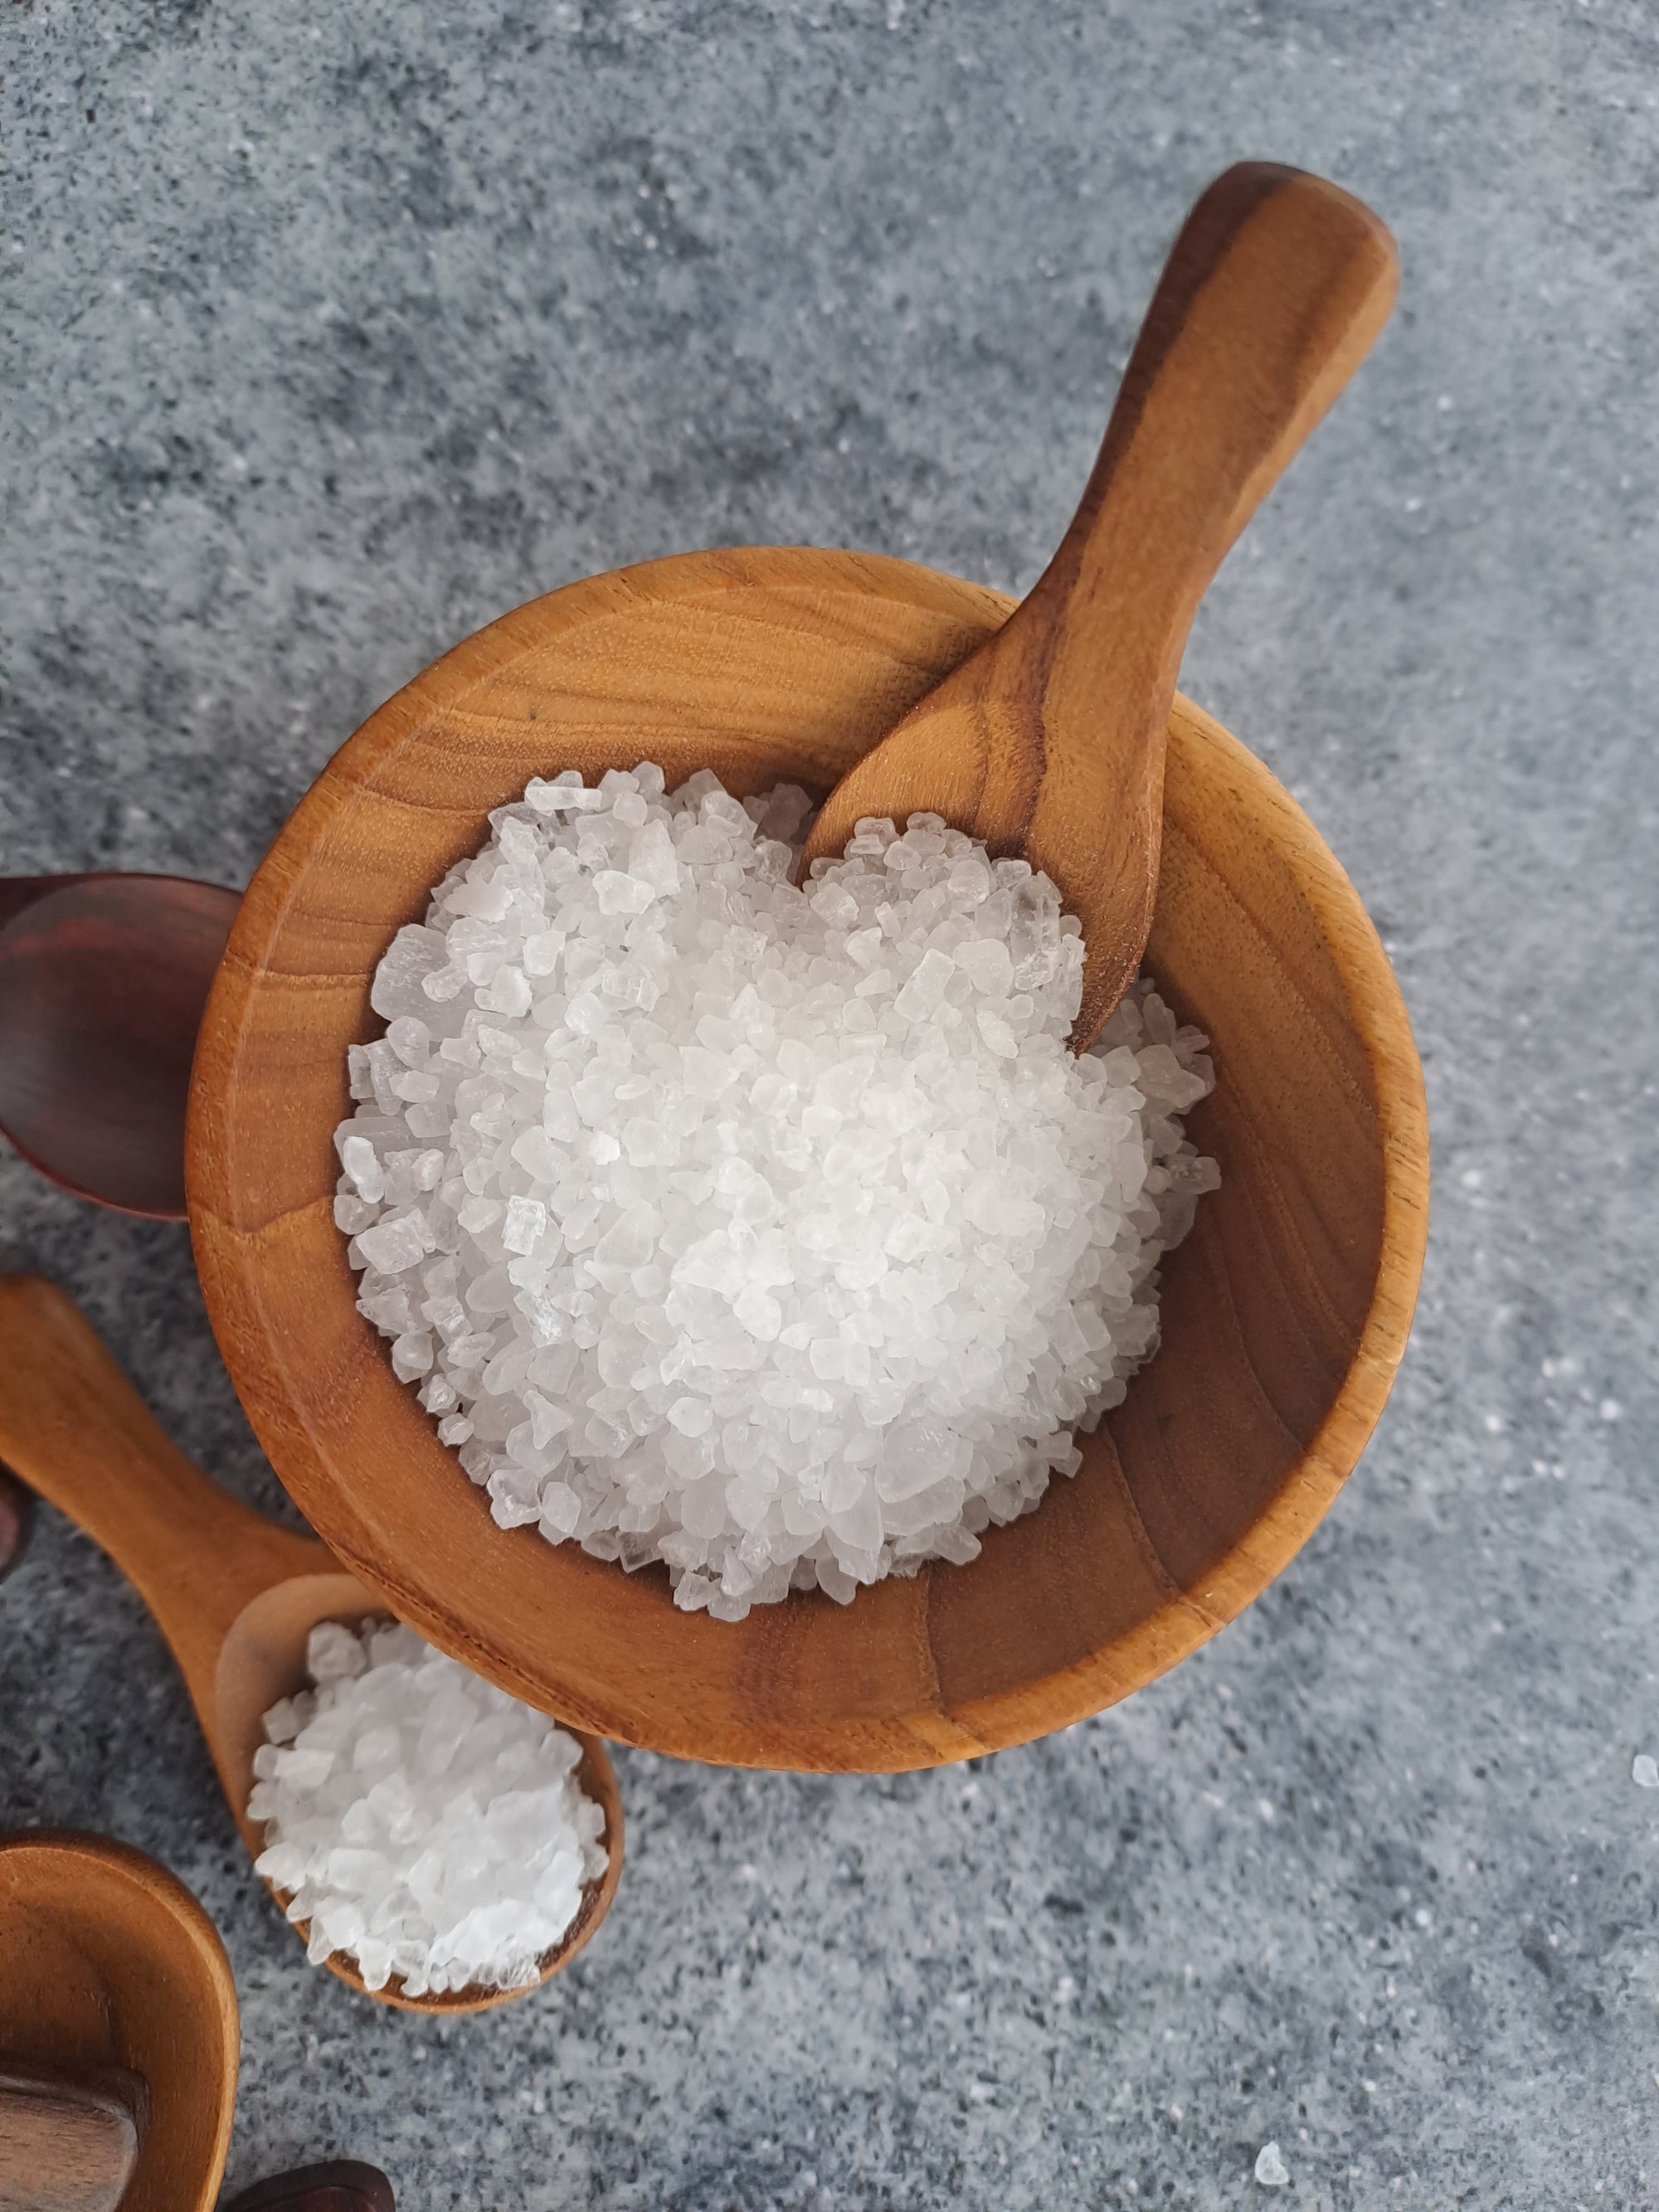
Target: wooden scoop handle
x=1272 y=295
x=76 y=1429
x=1048 y=741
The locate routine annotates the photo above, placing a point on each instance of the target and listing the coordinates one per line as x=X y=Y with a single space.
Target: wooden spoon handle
x=76 y=1429
x=1048 y=741
x=1270 y=297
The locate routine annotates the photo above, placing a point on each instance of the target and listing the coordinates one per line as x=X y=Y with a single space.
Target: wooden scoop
x=1048 y=741
x=236 y=1596
x=343 y=2184
x=103 y=979
x=16 y=1523
x=118 y=2032
x=69 y=2135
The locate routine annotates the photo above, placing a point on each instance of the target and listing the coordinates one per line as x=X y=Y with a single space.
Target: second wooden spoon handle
x=76 y=1429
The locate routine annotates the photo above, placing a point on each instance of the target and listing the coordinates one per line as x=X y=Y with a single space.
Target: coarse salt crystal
x=1271 y=2170
x=521 y=1229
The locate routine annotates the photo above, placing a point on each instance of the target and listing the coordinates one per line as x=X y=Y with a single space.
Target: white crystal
x=1271 y=2170
x=998 y=1037
x=834 y=904
x=332 y=1652
x=617 y=893
x=651 y=858
x=395 y=1242
x=926 y=986
x=361 y=1163
x=521 y=1230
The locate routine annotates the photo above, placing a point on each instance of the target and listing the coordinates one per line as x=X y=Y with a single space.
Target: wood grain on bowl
x=1285 y=1314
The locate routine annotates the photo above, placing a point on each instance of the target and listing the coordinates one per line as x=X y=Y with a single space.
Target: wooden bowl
x=106 y=1960
x=1285 y=1314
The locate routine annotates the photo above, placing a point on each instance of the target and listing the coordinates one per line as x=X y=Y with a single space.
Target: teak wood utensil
x=109 y=1967
x=343 y=2184
x=16 y=1523
x=236 y=1596
x=102 y=982
x=69 y=2136
x=1284 y=1315
x=1048 y=741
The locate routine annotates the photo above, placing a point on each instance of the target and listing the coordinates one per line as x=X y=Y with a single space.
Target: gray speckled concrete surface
x=337 y=330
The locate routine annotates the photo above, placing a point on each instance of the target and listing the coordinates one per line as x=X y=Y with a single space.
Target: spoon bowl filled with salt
x=696 y=1274
x=435 y=1841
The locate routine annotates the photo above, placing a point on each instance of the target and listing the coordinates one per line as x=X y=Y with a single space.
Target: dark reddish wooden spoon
x=103 y=979
x=344 y=2185
x=17 y=1521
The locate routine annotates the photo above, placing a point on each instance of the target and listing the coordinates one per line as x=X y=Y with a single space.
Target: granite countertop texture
x=335 y=331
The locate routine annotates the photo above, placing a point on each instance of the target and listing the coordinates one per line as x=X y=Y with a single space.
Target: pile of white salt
x=776 y=1234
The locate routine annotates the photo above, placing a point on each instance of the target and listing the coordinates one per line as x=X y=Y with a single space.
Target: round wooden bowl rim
x=230 y=1272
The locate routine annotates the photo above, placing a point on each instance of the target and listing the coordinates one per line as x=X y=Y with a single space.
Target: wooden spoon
x=236 y=1596
x=117 y=2029
x=1048 y=742
x=343 y=2184
x=16 y=1523
x=103 y=979
x=69 y=2136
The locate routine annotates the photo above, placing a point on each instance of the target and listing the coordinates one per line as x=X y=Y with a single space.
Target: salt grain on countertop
x=1271 y=2170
